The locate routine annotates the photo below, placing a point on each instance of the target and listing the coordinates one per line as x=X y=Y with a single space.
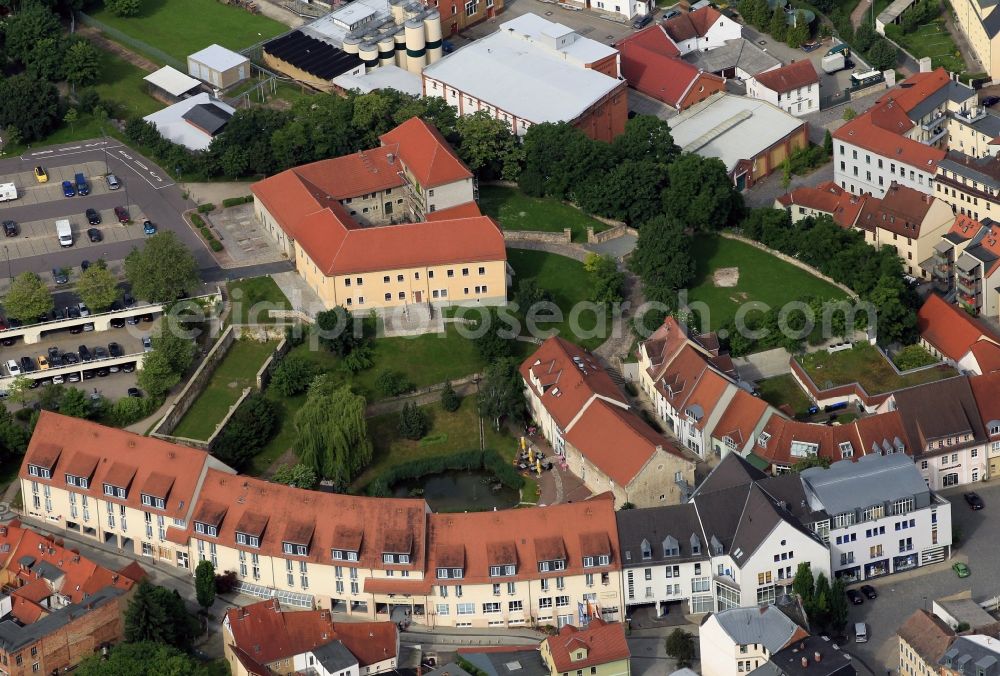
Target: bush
x=450 y=401
x=247 y=432
x=205 y=208
x=413 y=422
x=462 y=460
x=206 y=233
x=225 y=582
x=129 y=410
x=913 y=356
x=215 y=245
x=392 y=384
x=24 y=414
x=198 y=221
x=236 y=201
x=292 y=376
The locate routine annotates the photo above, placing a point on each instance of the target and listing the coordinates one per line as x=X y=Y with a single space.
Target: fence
x=140 y=46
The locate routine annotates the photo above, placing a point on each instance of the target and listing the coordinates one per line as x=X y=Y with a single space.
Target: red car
x=122 y=215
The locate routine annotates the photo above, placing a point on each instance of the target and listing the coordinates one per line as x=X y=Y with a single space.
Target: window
x=465 y=609
x=562 y=601
x=399 y=278
x=545 y=602
x=442 y=609
x=385 y=280
x=515 y=606
x=491 y=608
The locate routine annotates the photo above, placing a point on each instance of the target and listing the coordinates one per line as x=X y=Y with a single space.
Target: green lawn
x=933 y=40
x=567 y=282
x=781 y=390
x=762 y=277
x=253 y=297
x=182 y=27
x=866 y=366
x=452 y=432
x=238 y=370
x=516 y=211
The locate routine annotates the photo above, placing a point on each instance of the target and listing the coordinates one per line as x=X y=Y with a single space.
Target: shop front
x=876 y=568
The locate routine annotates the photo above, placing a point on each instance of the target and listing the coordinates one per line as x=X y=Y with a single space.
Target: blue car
x=148 y=228
x=68 y=189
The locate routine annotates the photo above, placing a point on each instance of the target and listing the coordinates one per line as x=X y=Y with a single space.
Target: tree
x=450 y=401
x=392 y=383
x=97 y=287
x=71 y=117
x=226 y=581
x=123 y=7
x=413 y=422
x=700 y=194
x=75 y=403
x=646 y=138
x=177 y=348
x=849 y=114
x=786 y=173
x=838 y=606
x=145 y=618
x=803 y=583
x=883 y=55
x=204 y=584
x=332 y=433
x=297 y=476
x=528 y=293
x=162 y=270
x=828 y=142
x=629 y=191
x=20 y=389
x=897 y=321
x=157 y=375
x=761 y=14
x=46 y=62
x=607 y=283
x=339 y=331
x=798 y=34
x=662 y=259
x=495 y=343
x=27 y=28
x=913 y=356
x=489 y=147
x=28 y=298
x=82 y=64
x=819 y=611
x=501 y=394
x=248 y=431
x=777 y=25
x=680 y=646
x=29 y=105
x=811 y=461
x=292 y=375
x=557 y=157
x=143 y=659
x=865 y=37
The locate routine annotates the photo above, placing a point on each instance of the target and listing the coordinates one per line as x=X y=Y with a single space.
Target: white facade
x=723 y=654
x=859 y=171
x=800 y=101
x=723 y=29
x=626 y=8
x=961 y=466
x=307 y=660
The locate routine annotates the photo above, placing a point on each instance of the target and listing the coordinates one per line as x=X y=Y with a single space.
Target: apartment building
x=949 y=333
x=533 y=71
x=793 y=88
x=735 y=543
x=964 y=265
x=923 y=640
x=588 y=421
x=824 y=199
x=970 y=184
x=739 y=640
x=262 y=639
x=739 y=424
x=702 y=30
x=980 y=23
x=57 y=607
x=880 y=516
x=394 y=227
x=600 y=649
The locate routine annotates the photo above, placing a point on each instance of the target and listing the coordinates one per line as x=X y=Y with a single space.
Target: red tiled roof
x=986 y=390
x=565 y=378
x=704 y=397
x=949 y=328
x=617 y=441
x=740 y=418
x=681 y=375
x=663 y=345
x=965 y=227
x=467 y=210
x=869 y=131
x=266 y=633
x=692 y=24
x=603 y=642
x=901 y=211
x=651 y=64
x=126 y=458
x=883 y=431
x=829 y=198
x=520 y=528
x=790 y=77
x=987 y=355
x=914 y=89
x=391 y=585
x=374 y=517
x=426 y=153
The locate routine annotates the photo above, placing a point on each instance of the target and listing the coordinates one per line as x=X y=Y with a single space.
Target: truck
x=82 y=187
x=831 y=63
x=8 y=191
x=65 y=232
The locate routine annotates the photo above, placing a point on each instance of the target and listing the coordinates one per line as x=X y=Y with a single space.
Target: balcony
x=969 y=285
x=936 y=135
x=972 y=115
x=971 y=300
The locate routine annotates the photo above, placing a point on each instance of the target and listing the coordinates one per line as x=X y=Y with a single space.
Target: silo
x=351 y=44
x=396 y=7
x=386 y=50
x=416 y=52
x=432 y=30
x=369 y=55
x=400 y=39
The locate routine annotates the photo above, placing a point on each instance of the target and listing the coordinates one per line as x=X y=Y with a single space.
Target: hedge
x=462 y=460
x=198 y=221
x=205 y=208
x=215 y=245
x=206 y=233
x=236 y=201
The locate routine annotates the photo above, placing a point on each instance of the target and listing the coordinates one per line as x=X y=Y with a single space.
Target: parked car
x=146 y=317
x=13 y=368
x=671 y=14
x=10 y=229
x=93 y=217
x=58 y=380
x=76 y=329
x=128 y=367
x=148 y=227
x=73 y=378
x=642 y=21
x=87 y=375
x=973 y=500
x=84 y=310
x=113 y=183
x=122 y=215
x=70 y=358
x=115 y=350
x=134 y=392
x=58 y=314
x=132 y=320
x=68 y=189
x=990 y=101
x=117 y=323
x=40 y=175
x=59 y=276
x=43 y=362
x=28 y=365
x=73 y=312
x=961 y=569
x=85 y=353
x=54 y=355
x=89 y=326
x=869 y=592
x=101 y=373
x=147 y=344
x=94 y=235
x=128 y=300
x=855 y=597
x=100 y=353
x=7 y=341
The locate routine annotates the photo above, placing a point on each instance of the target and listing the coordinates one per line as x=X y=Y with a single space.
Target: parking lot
x=38 y=238
x=901 y=594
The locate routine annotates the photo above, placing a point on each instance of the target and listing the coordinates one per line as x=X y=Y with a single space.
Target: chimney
x=805 y=662
x=817 y=656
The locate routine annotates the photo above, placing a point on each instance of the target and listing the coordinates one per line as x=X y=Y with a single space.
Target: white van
x=65 y=232
x=860 y=632
x=8 y=191
x=13 y=369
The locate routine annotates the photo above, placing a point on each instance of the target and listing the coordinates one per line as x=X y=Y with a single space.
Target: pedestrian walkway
x=299 y=294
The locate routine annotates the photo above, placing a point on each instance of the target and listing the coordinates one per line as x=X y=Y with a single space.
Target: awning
x=943 y=246
x=758 y=462
x=172 y=81
x=967 y=263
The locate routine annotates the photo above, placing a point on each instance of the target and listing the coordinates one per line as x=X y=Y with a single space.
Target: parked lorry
x=831 y=63
x=8 y=191
x=65 y=232
x=82 y=187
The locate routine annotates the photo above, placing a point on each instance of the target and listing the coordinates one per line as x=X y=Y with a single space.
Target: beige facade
x=613 y=668
x=971 y=16
x=915 y=250
x=911 y=663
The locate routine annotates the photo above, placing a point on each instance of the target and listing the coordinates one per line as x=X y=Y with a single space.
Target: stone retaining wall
x=608 y=235
x=564 y=237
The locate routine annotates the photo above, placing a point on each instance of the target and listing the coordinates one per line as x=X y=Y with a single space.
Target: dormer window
x=671 y=547
x=502 y=571
x=763 y=439
x=114 y=491
x=294 y=549
x=396 y=558
x=43 y=472
x=588 y=562
x=151 y=501
x=248 y=540
x=647 y=551
x=344 y=555
x=846 y=449
x=695 y=544
x=453 y=573
x=206 y=529
x=79 y=481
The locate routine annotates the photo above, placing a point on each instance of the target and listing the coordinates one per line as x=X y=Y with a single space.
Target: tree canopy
x=158 y=614
x=331 y=431
x=162 y=270
x=501 y=394
x=28 y=298
x=662 y=259
x=97 y=287
x=700 y=194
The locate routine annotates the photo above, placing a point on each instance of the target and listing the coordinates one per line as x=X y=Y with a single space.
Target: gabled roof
x=426 y=153
x=986 y=390
x=651 y=64
x=764 y=625
x=987 y=356
x=740 y=418
x=603 y=642
x=733 y=471
x=704 y=397
x=944 y=408
x=790 y=77
x=949 y=328
x=655 y=525
x=829 y=198
x=694 y=24
x=901 y=211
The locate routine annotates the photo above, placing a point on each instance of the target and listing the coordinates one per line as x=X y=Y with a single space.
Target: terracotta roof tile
x=82 y=465
x=426 y=153
x=704 y=397
x=740 y=418
x=830 y=198
x=986 y=390
x=873 y=434
x=393 y=585
x=900 y=211
x=871 y=132
x=987 y=355
x=692 y=24
x=157 y=485
x=604 y=642
x=790 y=77
x=949 y=328
x=467 y=210
x=251 y=523
x=928 y=636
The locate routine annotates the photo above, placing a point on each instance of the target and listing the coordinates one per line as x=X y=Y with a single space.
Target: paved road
x=146 y=190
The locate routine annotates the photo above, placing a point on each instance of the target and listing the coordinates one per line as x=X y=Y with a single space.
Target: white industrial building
x=220 y=67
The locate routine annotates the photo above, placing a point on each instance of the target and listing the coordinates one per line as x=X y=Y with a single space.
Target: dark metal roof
x=655 y=525
x=208 y=117
x=311 y=55
x=335 y=657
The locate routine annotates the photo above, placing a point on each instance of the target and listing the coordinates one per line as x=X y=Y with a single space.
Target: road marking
x=125 y=154
x=142 y=165
x=69 y=150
